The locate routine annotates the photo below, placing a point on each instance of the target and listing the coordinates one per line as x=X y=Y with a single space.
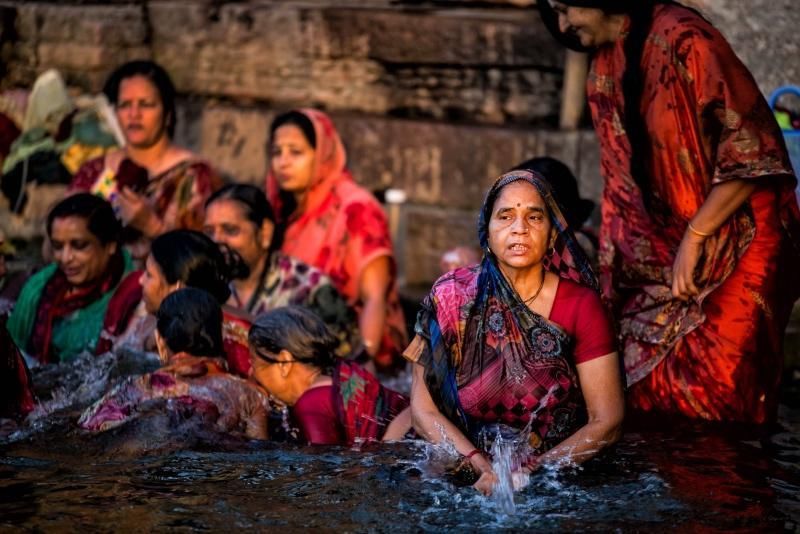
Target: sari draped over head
x=363 y=406
x=54 y=321
x=718 y=356
x=488 y=358
x=341 y=228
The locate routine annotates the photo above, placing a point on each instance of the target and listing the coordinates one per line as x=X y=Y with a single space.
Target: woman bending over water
x=521 y=339
x=194 y=376
x=333 y=402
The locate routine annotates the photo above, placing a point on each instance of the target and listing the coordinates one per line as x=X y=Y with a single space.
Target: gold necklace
x=528 y=301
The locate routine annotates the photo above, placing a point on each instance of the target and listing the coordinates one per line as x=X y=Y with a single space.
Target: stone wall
x=436 y=98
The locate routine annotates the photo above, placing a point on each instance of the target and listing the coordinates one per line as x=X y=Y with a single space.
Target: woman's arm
x=434 y=427
x=376 y=279
x=601 y=385
x=721 y=203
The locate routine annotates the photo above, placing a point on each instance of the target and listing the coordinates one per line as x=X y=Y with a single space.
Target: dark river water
x=163 y=473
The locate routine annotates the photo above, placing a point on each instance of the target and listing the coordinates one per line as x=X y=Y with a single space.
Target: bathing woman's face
x=274 y=373
x=155 y=287
x=227 y=223
x=78 y=253
x=519 y=228
x=591 y=25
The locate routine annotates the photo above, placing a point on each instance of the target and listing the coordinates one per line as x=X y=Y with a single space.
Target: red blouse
x=579 y=310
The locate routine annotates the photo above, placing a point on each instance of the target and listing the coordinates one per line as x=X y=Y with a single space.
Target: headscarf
x=565 y=258
x=330 y=166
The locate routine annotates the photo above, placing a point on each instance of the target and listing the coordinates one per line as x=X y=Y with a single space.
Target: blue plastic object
x=792 y=137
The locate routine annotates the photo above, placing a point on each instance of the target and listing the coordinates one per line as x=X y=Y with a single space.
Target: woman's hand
x=689 y=252
x=135 y=212
x=486 y=483
x=488 y=478
x=520 y=479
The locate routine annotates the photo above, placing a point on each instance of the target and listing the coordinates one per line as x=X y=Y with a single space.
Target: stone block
x=445 y=37
x=107 y=25
x=234 y=141
x=429 y=233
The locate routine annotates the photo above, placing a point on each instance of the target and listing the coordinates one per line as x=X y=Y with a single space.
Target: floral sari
x=363 y=406
x=288 y=281
x=341 y=229
x=199 y=383
x=177 y=195
x=719 y=356
x=487 y=357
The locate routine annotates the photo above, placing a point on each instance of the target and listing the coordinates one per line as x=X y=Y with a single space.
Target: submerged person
x=700 y=240
x=522 y=339
x=89 y=293
x=155 y=185
x=333 y=402
x=186 y=258
x=194 y=375
x=239 y=216
x=326 y=220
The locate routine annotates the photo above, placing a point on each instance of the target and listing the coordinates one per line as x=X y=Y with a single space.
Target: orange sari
x=340 y=230
x=718 y=357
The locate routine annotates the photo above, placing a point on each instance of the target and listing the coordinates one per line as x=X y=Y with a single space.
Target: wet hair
x=295 y=118
x=295 y=329
x=190 y=320
x=565 y=188
x=256 y=207
x=157 y=76
x=193 y=259
x=98 y=213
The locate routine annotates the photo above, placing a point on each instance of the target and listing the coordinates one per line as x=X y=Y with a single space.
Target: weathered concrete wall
x=436 y=98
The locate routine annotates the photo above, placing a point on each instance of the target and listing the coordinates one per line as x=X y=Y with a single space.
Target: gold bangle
x=698 y=232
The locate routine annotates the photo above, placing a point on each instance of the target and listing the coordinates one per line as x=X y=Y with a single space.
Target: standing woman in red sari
x=699 y=238
x=327 y=220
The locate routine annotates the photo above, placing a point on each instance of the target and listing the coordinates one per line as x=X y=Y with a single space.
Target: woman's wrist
x=698 y=233
x=479 y=461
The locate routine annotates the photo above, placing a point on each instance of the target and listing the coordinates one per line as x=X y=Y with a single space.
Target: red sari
x=341 y=229
x=718 y=357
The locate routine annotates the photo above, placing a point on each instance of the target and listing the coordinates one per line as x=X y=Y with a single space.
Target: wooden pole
x=573 y=94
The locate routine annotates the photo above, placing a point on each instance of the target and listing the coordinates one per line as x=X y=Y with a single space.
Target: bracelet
x=472 y=453
x=698 y=232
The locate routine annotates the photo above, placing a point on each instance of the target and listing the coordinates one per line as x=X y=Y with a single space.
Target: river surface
x=167 y=473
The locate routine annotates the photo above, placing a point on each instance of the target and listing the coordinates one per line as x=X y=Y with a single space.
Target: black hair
x=296 y=118
x=253 y=200
x=288 y=201
x=190 y=320
x=157 y=75
x=100 y=218
x=295 y=329
x=565 y=188
x=193 y=259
